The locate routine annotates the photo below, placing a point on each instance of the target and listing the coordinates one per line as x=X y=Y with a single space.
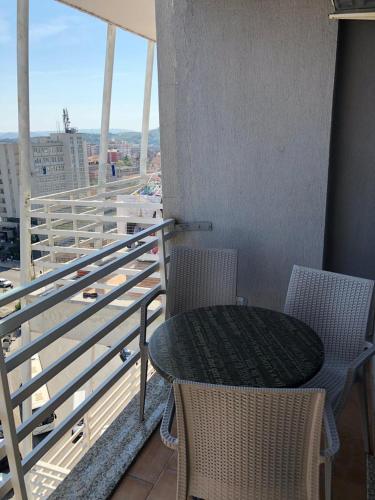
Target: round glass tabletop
x=236 y=345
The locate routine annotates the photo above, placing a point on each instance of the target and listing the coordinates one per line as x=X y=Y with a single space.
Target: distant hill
x=92 y=136
x=126 y=135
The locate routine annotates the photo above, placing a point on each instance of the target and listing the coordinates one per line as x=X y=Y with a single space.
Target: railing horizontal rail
x=51 y=277
x=47 y=443
x=66 y=216
x=68 y=250
x=69 y=389
x=121 y=270
x=52 y=370
x=102 y=286
x=77 y=414
x=97 y=414
x=88 y=188
x=76 y=319
x=83 y=234
x=100 y=203
x=13 y=321
x=114 y=192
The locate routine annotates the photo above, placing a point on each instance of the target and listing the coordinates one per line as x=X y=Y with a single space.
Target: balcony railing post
x=24 y=144
x=10 y=436
x=49 y=224
x=75 y=226
x=162 y=265
x=146 y=108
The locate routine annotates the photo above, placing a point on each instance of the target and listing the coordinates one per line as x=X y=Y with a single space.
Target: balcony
x=98 y=438
x=255 y=143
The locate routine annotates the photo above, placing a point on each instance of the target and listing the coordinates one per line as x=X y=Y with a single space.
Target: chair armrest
x=355 y=365
x=362 y=358
x=166 y=423
x=143 y=322
x=330 y=430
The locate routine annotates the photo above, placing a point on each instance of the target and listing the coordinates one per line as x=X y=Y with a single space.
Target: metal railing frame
x=14 y=436
x=51 y=277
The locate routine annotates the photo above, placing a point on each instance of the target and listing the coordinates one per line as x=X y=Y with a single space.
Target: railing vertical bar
x=10 y=435
x=162 y=265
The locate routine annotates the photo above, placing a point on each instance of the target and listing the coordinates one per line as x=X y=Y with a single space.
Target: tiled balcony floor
x=153 y=474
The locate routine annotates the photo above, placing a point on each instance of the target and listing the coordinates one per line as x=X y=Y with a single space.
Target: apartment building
x=9 y=182
x=114 y=156
x=59 y=163
x=92 y=149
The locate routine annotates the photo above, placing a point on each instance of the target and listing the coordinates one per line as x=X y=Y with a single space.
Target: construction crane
x=68 y=129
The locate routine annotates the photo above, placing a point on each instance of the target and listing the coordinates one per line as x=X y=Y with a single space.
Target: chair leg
x=363 y=405
x=328 y=478
x=142 y=392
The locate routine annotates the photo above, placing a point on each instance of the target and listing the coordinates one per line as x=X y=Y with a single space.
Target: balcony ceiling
x=136 y=16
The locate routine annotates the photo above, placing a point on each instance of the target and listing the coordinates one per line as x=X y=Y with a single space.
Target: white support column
x=106 y=106
x=146 y=108
x=24 y=145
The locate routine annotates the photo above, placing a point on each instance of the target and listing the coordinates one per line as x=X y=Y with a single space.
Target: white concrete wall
x=245 y=91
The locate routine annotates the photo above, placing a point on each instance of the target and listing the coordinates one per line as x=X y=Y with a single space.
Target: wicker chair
x=197 y=278
x=340 y=309
x=247 y=443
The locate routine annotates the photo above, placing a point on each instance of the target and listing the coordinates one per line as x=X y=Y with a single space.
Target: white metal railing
x=114 y=256
x=47 y=475
x=74 y=223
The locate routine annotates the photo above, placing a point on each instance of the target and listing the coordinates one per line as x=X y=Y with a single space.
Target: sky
x=67 y=52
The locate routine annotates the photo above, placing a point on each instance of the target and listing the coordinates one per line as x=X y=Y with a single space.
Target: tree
x=127 y=161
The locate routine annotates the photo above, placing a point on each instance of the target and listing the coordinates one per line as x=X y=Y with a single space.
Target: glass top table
x=236 y=345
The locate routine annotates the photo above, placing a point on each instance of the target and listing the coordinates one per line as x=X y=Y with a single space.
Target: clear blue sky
x=67 y=50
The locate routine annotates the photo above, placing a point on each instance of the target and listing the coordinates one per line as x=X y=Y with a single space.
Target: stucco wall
x=245 y=91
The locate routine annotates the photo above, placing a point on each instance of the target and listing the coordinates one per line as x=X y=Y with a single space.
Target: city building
x=59 y=163
x=9 y=183
x=114 y=156
x=92 y=149
x=124 y=147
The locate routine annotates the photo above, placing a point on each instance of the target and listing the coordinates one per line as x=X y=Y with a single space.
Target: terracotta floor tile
x=172 y=463
x=132 y=488
x=151 y=460
x=165 y=488
x=349 y=473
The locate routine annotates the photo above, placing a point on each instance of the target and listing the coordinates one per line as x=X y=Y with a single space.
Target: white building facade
x=59 y=164
x=9 y=181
